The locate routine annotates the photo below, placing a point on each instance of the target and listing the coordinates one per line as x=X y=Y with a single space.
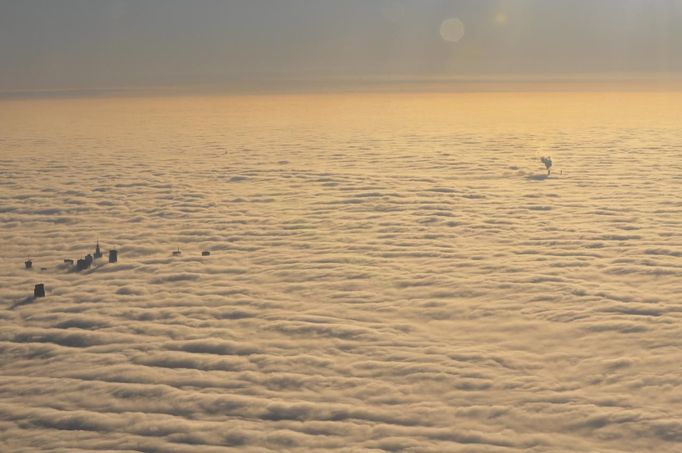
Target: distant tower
x=88 y=260
x=39 y=290
x=28 y=264
x=113 y=256
x=98 y=252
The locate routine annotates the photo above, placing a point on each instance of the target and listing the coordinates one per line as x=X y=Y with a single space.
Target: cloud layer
x=386 y=275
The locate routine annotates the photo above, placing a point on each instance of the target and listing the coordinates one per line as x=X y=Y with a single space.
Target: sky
x=98 y=44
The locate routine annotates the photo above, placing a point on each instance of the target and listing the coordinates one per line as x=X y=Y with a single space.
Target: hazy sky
x=84 y=44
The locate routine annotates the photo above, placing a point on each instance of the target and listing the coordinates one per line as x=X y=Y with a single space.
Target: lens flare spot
x=452 y=30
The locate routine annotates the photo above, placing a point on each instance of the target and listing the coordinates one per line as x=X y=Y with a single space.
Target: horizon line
x=375 y=84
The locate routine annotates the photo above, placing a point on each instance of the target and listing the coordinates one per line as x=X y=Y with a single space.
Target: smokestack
x=113 y=256
x=39 y=290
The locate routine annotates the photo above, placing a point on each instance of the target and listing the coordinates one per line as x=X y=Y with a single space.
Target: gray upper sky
x=91 y=44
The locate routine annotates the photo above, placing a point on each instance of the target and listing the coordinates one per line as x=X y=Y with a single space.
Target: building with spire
x=98 y=252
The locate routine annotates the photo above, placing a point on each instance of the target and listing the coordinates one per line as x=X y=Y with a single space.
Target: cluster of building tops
x=86 y=263
x=83 y=263
x=89 y=259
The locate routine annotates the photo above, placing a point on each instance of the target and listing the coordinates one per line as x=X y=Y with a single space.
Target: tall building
x=39 y=290
x=98 y=252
